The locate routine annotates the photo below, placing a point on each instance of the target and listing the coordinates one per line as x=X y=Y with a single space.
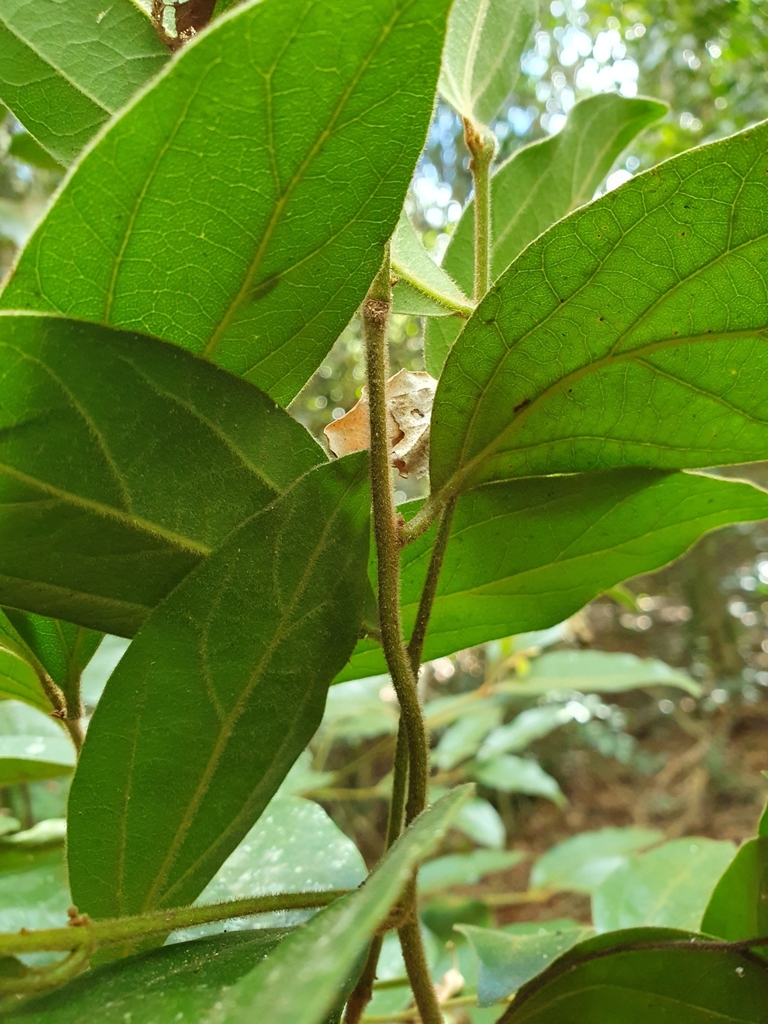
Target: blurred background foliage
x=682 y=752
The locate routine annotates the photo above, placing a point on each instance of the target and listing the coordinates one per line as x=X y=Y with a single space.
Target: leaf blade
x=172 y=709
x=265 y=288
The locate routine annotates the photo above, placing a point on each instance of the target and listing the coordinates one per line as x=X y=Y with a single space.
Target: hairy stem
x=419 y=634
x=375 y=318
x=481 y=144
x=95 y=934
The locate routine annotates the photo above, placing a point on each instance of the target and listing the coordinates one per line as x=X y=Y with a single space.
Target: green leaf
x=28 y=150
x=32 y=758
x=19 y=681
x=668 y=887
x=422 y=288
x=271 y=235
x=245 y=646
x=355 y=711
x=580 y=863
x=462 y=739
x=33 y=889
x=65 y=68
x=510 y=774
x=762 y=825
x=630 y=333
x=510 y=958
x=537 y=186
x=526 y=555
x=273 y=858
x=602 y=980
x=179 y=982
x=597 y=672
x=528 y=726
x=61 y=648
x=465 y=868
x=738 y=908
x=483 y=47
x=98 y=520
x=482 y=823
x=301 y=980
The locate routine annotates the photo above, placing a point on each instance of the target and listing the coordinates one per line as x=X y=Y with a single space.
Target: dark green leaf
x=171 y=776
x=301 y=980
x=537 y=186
x=271 y=236
x=580 y=863
x=66 y=67
x=738 y=908
x=528 y=554
x=668 y=887
x=481 y=62
x=124 y=461
x=630 y=333
x=177 y=983
x=28 y=150
x=512 y=956
x=599 y=982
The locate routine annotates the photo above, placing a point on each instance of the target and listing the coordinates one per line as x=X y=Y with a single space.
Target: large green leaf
x=66 y=67
x=631 y=333
x=580 y=863
x=602 y=981
x=668 y=887
x=301 y=981
x=528 y=554
x=481 y=62
x=216 y=698
x=273 y=207
x=537 y=186
x=738 y=908
x=176 y=983
x=124 y=461
x=512 y=956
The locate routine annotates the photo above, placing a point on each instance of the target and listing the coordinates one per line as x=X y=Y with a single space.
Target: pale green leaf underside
x=668 y=887
x=66 y=67
x=270 y=235
x=537 y=186
x=300 y=982
x=481 y=61
x=666 y=986
x=32 y=758
x=422 y=287
x=527 y=554
x=245 y=646
x=633 y=332
x=116 y=452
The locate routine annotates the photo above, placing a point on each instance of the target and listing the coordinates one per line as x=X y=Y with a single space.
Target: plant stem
x=375 y=319
x=416 y=643
x=481 y=143
x=94 y=934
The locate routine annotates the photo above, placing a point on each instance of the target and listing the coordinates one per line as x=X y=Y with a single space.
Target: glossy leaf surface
x=179 y=982
x=66 y=67
x=666 y=986
x=98 y=519
x=246 y=645
x=580 y=863
x=526 y=555
x=270 y=236
x=738 y=908
x=481 y=62
x=537 y=186
x=667 y=887
x=631 y=333
x=302 y=979
x=512 y=956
